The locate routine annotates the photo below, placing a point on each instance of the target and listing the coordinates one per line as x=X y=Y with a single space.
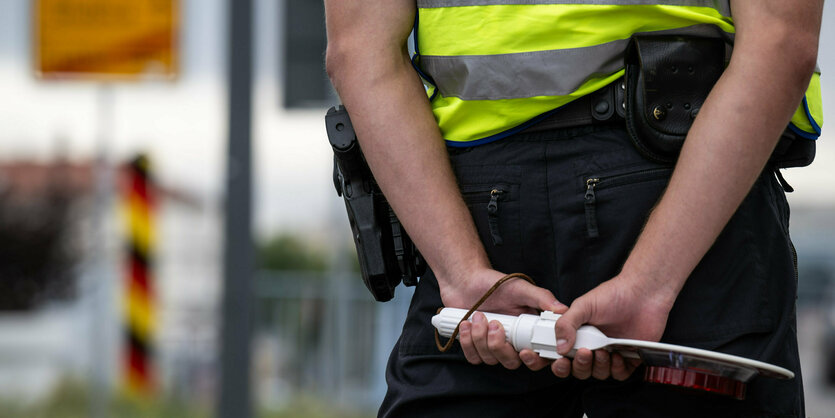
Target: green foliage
x=290 y=252
x=313 y=408
x=71 y=399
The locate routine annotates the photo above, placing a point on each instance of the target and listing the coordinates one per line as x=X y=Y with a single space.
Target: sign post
x=105 y=41
x=234 y=397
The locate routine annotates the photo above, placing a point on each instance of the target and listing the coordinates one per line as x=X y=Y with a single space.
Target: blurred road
x=820 y=398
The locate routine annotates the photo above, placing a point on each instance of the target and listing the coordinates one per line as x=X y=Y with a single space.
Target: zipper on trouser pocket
x=613 y=181
x=591 y=211
x=493 y=216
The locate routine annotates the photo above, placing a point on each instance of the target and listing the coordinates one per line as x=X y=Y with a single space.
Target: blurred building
x=65 y=319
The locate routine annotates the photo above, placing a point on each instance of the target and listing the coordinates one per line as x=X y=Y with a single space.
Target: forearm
x=725 y=151
x=403 y=146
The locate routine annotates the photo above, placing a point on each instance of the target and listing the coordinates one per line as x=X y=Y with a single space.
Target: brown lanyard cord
x=445 y=347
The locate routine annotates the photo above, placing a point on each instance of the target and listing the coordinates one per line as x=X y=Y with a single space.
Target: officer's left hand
x=622 y=307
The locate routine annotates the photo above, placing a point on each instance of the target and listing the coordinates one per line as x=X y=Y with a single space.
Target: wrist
x=654 y=287
x=460 y=275
x=661 y=260
x=464 y=287
x=459 y=263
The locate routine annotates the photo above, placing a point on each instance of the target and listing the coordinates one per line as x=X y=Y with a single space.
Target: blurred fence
x=323 y=334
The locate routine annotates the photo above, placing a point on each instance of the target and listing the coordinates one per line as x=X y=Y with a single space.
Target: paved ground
x=820 y=398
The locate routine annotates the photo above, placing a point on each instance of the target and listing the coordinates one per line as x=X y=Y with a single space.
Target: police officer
x=697 y=255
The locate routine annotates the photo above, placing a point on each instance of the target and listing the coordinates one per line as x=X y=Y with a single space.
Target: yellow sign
x=106 y=39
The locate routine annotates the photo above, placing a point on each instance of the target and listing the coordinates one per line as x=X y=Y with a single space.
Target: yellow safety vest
x=495 y=67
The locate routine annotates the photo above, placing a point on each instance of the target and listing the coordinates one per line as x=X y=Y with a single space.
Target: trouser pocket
x=492 y=196
x=649 y=179
x=616 y=204
x=738 y=286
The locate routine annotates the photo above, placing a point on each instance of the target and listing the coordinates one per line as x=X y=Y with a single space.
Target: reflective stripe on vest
x=495 y=67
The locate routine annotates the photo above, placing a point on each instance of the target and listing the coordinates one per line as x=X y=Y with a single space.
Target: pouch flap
x=668 y=80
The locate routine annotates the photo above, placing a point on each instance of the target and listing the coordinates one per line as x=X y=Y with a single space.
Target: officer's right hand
x=484 y=342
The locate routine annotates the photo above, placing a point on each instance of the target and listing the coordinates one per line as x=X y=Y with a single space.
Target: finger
x=561 y=367
x=479 y=335
x=466 y=341
x=602 y=367
x=566 y=327
x=538 y=298
x=632 y=365
x=582 y=364
x=501 y=349
x=557 y=307
x=532 y=360
x=621 y=369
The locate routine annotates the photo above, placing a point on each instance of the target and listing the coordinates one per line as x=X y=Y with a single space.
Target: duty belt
x=604 y=105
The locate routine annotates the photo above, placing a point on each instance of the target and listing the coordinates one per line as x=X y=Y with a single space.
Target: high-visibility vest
x=495 y=67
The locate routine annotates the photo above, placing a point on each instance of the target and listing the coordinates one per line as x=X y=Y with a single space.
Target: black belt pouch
x=793 y=151
x=668 y=79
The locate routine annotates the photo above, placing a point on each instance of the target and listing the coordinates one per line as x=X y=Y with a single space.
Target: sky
x=182 y=124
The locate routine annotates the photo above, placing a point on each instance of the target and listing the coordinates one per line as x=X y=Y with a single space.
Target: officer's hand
x=484 y=342
x=621 y=308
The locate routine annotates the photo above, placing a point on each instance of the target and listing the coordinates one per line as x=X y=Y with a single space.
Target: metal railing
x=331 y=337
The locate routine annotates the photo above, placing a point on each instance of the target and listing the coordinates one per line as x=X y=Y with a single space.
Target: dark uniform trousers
x=739 y=300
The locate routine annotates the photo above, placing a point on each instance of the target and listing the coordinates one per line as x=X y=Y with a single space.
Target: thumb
x=566 y=327
x=539 y=298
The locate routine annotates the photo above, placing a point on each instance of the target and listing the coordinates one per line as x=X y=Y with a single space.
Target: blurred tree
x=291 y=252
x=36 y=258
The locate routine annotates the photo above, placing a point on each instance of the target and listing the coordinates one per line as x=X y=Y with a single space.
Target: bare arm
x=369 y=65
x=725 y=151
x=370 y=69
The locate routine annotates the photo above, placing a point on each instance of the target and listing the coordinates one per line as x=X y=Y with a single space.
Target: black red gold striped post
x=139 y=307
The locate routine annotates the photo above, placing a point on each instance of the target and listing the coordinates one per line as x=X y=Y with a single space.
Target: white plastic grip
x=535 y=332
x=446 y=321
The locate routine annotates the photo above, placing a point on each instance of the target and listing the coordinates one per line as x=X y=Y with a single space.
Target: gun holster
x=386 y=254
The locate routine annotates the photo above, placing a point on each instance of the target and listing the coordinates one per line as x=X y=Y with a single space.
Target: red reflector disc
x=695 y=379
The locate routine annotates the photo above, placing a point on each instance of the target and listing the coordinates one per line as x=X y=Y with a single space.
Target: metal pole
x=101 y=285
x=234 y=398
